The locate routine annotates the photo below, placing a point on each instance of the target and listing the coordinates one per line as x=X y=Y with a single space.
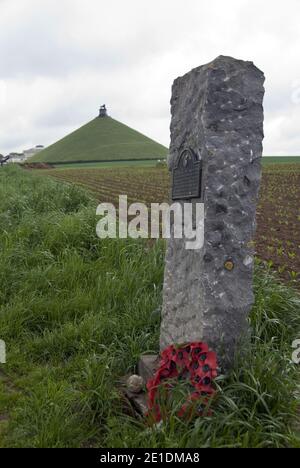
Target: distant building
x=21 y=157
x=32 y=151
x=16 y=157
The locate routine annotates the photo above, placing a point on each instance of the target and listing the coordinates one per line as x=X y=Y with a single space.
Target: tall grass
x=76 y=312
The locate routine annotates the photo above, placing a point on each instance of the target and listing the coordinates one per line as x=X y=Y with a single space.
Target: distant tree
x=3 y=159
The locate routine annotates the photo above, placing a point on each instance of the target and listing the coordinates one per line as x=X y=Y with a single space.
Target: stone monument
x=103 y=111
x=216 y=134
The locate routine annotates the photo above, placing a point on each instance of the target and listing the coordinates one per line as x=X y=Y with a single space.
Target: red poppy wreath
x=193 y=363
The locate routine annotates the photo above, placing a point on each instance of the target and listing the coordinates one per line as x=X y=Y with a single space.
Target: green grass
x=111 y=164
x=102 y=139
x=280 y=159
x=266 y=160
x=76 y=312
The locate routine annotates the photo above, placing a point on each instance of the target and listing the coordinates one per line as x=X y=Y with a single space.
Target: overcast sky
x=62 y=59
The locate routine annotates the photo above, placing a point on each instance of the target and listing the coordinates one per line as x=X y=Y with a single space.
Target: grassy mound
x=76 y=312
x=102 y=139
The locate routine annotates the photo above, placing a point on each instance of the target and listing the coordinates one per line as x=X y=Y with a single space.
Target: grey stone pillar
x=217 y=115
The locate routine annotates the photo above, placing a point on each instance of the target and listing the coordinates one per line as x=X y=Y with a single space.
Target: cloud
x=61 y=59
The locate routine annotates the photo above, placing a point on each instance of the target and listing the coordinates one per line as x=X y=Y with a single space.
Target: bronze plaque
x=187 y=176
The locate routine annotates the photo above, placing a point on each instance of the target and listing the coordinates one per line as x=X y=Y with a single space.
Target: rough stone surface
x=217 y=112
x=147 y=366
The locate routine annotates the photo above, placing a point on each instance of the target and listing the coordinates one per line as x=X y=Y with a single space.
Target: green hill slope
x=102 y=139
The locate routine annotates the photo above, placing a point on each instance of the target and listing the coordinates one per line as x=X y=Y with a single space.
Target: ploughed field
x=278 y=215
